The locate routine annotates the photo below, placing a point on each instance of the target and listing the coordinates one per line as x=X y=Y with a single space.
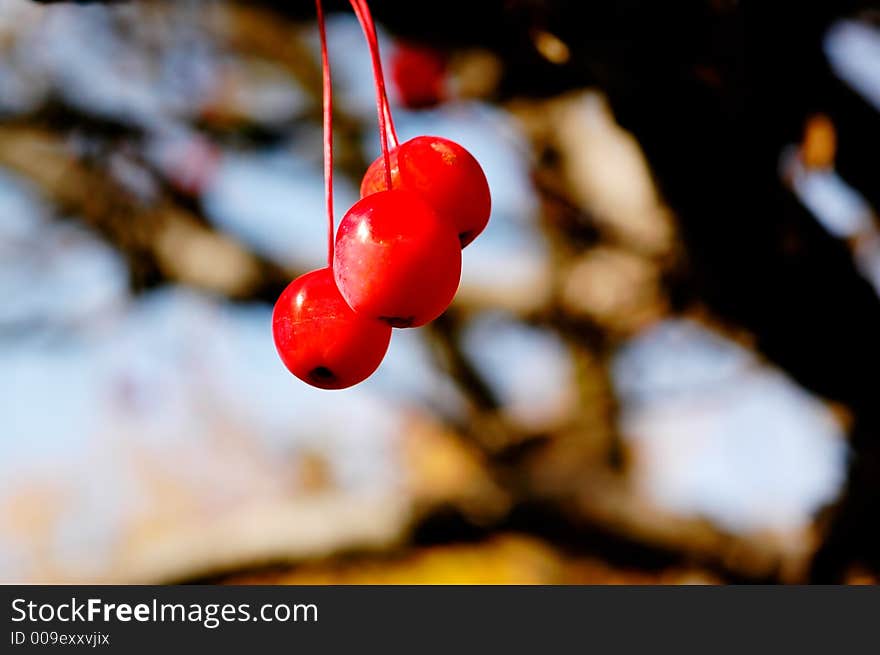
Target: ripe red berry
x=374 y=179
x=419 y=74
x=396 y=260
x=320 y=339
x=446 y=175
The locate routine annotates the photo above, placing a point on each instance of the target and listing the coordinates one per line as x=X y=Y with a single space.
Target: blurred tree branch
x=159 y=240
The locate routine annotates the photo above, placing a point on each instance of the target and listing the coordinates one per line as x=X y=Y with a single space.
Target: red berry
x=446 y=175
x=374 y=179
x=320 y=340
x=396 y=260
x=419 y=74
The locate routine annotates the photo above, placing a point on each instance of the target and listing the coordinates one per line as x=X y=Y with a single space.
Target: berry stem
x=327 y=109
x=373 y=43
x=364 y=17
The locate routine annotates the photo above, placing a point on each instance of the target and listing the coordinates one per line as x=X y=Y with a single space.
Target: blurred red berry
x=419 y=75
x=320 y=339
x=396 y=260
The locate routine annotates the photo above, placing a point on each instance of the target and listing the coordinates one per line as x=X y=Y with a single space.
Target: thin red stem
x=392 y=130
x=373 y=44
x=327 y=89
x=362 y=12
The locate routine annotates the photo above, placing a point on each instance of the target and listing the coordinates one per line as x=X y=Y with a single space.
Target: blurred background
x=661 y=365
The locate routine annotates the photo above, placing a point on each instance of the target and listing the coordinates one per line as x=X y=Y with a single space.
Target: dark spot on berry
x=398 y=321
x=322 y=375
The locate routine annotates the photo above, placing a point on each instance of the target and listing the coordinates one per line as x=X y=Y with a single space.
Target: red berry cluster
x=396 y=258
